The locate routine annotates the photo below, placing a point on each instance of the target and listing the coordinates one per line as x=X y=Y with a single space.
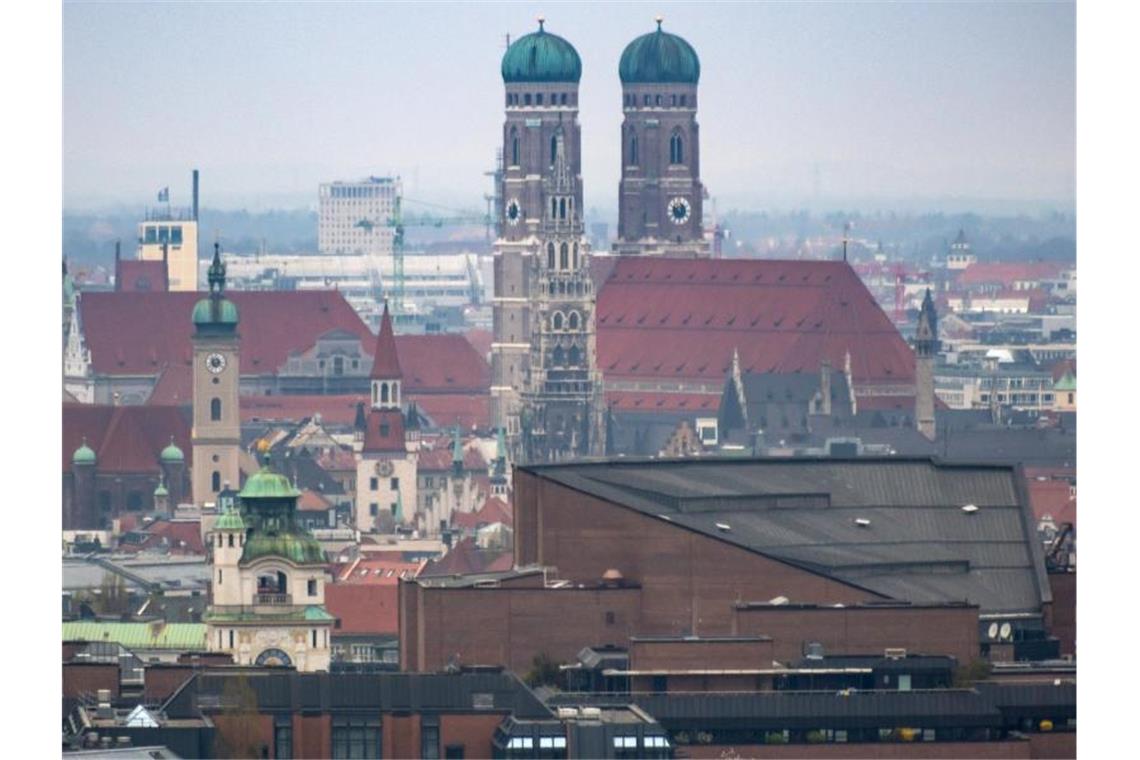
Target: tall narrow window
x=564 y=256
x=216 y=481
x=553 y=208
x=633 y=159
x=575 y=256
x=384 y=393
x=553 y=148
x=514 y=147
x=550 y=255
x=573 y=320
x=562 y=208
x=215 y=410
x=676 y=149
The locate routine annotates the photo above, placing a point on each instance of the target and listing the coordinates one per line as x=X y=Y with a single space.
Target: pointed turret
x=926 y=334
x=385 y=361
x=925 y=349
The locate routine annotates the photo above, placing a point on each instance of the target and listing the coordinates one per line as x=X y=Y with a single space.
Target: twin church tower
x=546 y=390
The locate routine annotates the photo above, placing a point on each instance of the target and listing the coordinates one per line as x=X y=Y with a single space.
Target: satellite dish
x=992 y=631
x=1006 y=631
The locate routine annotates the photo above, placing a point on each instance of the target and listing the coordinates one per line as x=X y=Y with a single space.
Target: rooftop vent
x=970 y=509
x=862 y=522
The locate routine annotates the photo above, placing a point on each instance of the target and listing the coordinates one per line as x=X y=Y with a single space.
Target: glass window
x=283 y=741
x=312 y=587
x=164 y=234
x=355 y=738
x=176 y=235
x=150 y=234
x=395 y=484
x=429 y=742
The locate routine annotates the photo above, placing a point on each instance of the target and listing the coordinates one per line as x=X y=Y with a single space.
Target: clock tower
x=216 y=433
x=660 y=193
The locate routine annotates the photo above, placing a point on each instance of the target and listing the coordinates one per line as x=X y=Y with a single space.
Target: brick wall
x=89 y=677
x=700 y=654
x=691 y=581
x=864 y=630
x=1064 y=623
x=162 y=680
x=312 y=736
x=474 y=732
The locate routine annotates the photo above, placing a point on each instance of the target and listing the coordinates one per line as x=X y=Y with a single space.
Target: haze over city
x=867 y=105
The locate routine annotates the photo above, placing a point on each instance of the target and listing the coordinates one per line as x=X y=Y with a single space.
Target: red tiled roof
x=335 y=410
x=141 y=333
x=175 y=386
x=1007 y=273
x=124 y=438
x=681 y=319
x=439 y=458
x=311 y=501
x=363 y=609
x=377 y=570
x=1054 y=498
x=466 y=558
x=385 y=361
x=650 y=401
x=470 y=412
x=481 y=341
x=337 y=460
x=445 y=363
x=133 y=275
x=375 y=438
x=495 y=510
x=181 y=537
x=1065 y=365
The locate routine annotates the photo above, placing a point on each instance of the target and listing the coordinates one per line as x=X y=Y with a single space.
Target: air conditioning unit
x=894 y=653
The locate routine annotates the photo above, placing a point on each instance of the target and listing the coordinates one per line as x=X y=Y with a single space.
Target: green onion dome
x=230 y=520
x=84 y=454
x=659 y=58
x=541 y=57
x=172 y=454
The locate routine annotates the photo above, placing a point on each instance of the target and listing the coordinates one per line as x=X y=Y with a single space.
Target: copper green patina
x=268 y=511
x=84 y=454
x=172 y=454
x=215 y=313
x=541 y=57
x=659 y=58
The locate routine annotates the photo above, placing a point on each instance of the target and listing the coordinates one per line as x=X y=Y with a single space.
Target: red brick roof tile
x=133 y=275
x=385 y=360
x=334 y=410
x=446 y=410
x=444 y=363
x=124 y=438
x=680 y=320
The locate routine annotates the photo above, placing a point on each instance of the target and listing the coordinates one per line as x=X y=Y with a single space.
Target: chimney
x=194 y=193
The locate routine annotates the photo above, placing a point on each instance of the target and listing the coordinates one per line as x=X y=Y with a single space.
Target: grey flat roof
x=894 y=526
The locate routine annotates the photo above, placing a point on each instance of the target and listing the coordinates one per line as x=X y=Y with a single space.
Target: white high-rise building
x=354 y=216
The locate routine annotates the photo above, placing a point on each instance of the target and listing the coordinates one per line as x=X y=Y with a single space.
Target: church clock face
x=679 y=210
x=513 y=212
x=215 y=363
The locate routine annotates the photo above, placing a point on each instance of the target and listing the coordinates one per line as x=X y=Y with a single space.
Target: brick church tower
x=660 y=193
x=545 y=390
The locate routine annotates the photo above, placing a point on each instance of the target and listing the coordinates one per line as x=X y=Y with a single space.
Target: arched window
x=538 y=99
x=573 y=320
x=553 y=208
x=231 y=537
x=383 y=393
x=514 y=146
x=216 y=481
x=550 y=257
x=574 y=357
x=564 y=257
x=557 y=320
x=526 y=99
x=558 y=358
x=633 y=158
x=562 y=208
x=676 y=149
x=215 y=410
x=575 y=256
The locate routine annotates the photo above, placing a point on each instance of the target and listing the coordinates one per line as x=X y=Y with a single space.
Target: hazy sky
x=874 y=104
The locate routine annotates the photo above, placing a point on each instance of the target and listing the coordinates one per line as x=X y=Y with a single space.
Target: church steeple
x=925 y=349
x=386 y=374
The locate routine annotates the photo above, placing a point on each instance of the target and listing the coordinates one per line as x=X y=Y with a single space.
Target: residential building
x=356 y=217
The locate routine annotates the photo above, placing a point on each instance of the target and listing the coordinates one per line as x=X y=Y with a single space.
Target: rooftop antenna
x=846 y=229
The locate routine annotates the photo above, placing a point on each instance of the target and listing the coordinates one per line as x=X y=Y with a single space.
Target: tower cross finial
x=541 y=22
x=659 y=18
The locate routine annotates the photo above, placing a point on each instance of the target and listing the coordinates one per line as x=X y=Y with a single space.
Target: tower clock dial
x=215 y=363
x=679 y=210
x=513 y=212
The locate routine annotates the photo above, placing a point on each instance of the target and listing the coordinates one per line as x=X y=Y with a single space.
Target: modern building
x=170 y=235
x=268 y=581
x=660 y=193
x=354 y=216
x=545 y=388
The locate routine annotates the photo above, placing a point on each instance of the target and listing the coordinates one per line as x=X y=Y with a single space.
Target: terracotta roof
x=377 y=569
x=142 y=333
x=133 y=275
x=174 y=387
x=334 y=410
x=465 y=558
x=481 y=341
x=445 y=410
x=495 y=510
x=182 y=537
x=681 y=319
x=385 y=361
x=1065 y=365
x=311 y=501
x=337 y=460
x=1006 y=273
x=439 y=458
x=124 y=438
x=444 y=363
x=384 y=431
x=1054 y=498
x=363 y=609
x=649 y=401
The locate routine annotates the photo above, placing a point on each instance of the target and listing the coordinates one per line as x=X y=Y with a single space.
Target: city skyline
x=977 y=102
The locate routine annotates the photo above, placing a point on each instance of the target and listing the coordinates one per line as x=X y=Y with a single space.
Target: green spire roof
x=230 y=520
x=659 y=57
x=216 y=311
x=267 y=484
x=541 y=57
x=84 y=454
x=172 y=454
x=1067 y=382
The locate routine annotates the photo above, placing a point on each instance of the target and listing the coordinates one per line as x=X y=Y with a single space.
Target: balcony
x=273 y=599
